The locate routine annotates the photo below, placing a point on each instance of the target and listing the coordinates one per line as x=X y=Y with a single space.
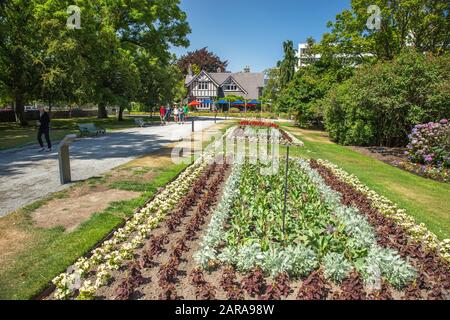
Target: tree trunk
x=102 y=114
x=20 y=111
x=120 y=117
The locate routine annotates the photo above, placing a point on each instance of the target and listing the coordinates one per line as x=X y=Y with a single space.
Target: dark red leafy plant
x=353 y=288
x=315 y=287
x=255 y=283
x=230 y=285
x=134 y=279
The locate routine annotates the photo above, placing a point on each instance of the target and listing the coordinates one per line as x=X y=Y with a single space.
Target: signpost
x=64 y=159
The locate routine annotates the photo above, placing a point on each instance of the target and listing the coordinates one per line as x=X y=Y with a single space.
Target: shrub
x=381 y=103
x=430 y=144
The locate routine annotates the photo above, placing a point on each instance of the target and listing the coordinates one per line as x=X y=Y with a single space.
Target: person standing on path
x=176 y=112
x=44 y=129
x=162 y=115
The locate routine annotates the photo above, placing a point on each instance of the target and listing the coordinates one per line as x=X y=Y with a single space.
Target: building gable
x=231 y=85
x=202 y=76
x=202 y=85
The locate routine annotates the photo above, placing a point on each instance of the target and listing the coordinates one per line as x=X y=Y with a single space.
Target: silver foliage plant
x=249 y=256
x=296 y=261
x=293 y=260
x=388 y=263
x=336 y=267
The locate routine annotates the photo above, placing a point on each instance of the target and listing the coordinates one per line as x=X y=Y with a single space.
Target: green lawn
x=13 y=135
x=428 y=201
x=53 y=250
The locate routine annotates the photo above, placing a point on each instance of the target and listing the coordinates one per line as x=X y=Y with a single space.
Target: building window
x=230 y=87
x=203 y=85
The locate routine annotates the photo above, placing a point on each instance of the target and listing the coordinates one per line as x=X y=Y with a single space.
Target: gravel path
x=27 y=175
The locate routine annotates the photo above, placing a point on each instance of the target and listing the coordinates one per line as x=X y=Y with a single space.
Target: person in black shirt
x=44 y=129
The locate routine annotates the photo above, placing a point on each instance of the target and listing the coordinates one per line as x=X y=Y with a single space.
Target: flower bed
x=428 y=171
x=217 y=232
x=258 y=124
x=338 y=247
x=112 y=254
x=434 y=272
x=419 y=232
x=264 y=134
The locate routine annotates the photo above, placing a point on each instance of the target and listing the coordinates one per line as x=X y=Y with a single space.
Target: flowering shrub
x=430 y=144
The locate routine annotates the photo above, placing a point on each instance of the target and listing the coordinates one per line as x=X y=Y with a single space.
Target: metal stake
x=285 y=192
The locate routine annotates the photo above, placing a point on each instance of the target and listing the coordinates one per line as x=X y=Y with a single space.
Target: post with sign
x=64 y=159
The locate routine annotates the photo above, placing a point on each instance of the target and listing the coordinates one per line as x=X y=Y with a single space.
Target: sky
x=251 y=32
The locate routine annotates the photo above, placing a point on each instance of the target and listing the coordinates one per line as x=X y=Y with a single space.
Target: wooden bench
x=90 y=129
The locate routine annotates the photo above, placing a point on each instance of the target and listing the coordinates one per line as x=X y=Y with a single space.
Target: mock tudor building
x=213 y=86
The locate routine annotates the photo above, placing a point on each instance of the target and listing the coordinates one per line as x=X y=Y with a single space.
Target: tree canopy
x=422 y=24
x=120 y=54
x=288 y=64
x=203 y=60
x=371 y=85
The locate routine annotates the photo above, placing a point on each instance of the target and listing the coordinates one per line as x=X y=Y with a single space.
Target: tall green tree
x=20 y=47
x=288 y=64
x=273 y=88
x=41 y=58
x=421 y=24
x=161 y=82
x=145 y=26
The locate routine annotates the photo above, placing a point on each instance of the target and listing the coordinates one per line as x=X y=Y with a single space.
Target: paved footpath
x=27 y=175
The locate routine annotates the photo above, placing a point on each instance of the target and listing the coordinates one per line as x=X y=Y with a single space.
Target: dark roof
x=251 y=82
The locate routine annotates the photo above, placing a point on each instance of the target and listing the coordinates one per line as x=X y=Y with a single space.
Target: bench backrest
x=87 y=126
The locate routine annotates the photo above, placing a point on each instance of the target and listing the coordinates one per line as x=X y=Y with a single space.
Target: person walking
x=186 y=112
x=176 y=113
x=162 y=115
x=181 y=115
x=44 y=129
x=168 y=114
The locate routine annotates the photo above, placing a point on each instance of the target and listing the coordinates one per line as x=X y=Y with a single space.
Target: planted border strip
x=434 y=273
x=169 y=271
x=379 y=261
x=114 y=252
x=418 y=232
